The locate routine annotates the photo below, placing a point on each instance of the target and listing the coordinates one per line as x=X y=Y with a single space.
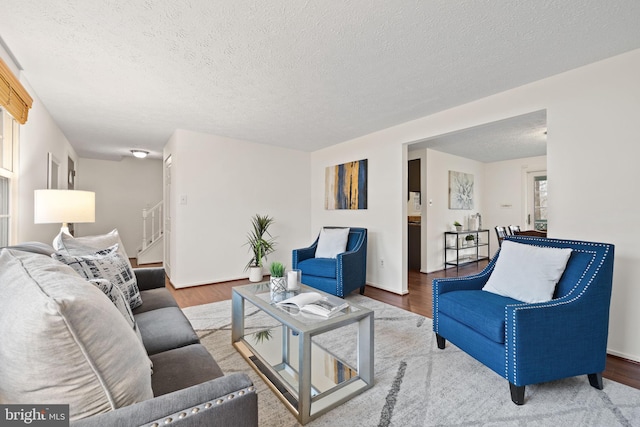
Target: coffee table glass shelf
x=290 y=354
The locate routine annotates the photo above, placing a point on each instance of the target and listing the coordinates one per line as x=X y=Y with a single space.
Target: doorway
x=537 y=201
x=167 y=216
x=497 y=153
x=414 y=215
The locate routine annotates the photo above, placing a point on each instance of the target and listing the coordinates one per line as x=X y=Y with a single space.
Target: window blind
x=13 y=96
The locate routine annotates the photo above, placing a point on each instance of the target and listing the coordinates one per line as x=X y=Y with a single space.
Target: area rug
x=416 y=384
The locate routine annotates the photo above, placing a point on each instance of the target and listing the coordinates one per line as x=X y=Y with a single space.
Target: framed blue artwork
x=346 y=186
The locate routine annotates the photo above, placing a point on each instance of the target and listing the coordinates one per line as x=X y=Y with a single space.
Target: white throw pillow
x=332 y=241
x=85 y=245
x=106 y=264
x=527 y=273
x=63 y=341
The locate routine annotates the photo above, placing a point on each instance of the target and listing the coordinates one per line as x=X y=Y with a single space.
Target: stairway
x=152 y=250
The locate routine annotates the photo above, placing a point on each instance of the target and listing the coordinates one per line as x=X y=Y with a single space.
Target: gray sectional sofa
x=188 y=387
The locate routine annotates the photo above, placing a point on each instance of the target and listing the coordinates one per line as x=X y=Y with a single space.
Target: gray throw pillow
x=106 y=264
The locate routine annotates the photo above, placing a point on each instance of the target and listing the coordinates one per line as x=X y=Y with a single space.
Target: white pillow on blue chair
x=332 y=241
x=527 y=273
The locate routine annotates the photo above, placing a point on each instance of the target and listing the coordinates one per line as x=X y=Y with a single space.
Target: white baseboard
x=384 y=288
x=635 y=358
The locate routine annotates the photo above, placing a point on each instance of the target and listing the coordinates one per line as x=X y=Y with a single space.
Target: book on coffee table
x=314 y=303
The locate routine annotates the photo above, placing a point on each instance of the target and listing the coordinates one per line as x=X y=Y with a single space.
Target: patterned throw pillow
x=106 y=264
x=119 y=300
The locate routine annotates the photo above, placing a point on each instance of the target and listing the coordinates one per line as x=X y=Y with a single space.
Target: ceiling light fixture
x=141 y=154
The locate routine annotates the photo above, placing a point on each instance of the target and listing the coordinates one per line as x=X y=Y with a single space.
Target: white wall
x=505 y=184
x=439 y=217
x=591 y=154
x=39 y=136
x=384 y=217
x=123 y=189
x=226 y=182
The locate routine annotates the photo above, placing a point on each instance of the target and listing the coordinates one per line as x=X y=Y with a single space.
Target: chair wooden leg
x=361 y=290
x=441 y=341
x=517 y=393
x=596 y=380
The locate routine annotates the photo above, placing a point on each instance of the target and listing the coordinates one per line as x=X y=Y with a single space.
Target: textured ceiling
x=117 y=74
x=508 y=139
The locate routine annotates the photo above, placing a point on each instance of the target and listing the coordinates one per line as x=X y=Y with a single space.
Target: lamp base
x=57 y=241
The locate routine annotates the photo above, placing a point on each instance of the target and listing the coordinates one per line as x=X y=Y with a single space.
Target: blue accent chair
x=338 y=276
x=533 y=343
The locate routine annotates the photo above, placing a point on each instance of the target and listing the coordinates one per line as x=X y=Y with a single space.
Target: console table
x=470 y=252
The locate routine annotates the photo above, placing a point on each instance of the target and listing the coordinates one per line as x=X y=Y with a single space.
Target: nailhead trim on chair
x=339 y=278
x=167 y=420
x=552 y=303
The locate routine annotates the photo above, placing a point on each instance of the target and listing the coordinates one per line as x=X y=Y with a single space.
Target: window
x=540 y=203
x=4 y=211
x=8 y=175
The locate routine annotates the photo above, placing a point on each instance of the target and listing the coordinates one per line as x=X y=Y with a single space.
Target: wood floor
x=418 y=300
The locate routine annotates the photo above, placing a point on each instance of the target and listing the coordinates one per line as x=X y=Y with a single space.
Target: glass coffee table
x=295 y=353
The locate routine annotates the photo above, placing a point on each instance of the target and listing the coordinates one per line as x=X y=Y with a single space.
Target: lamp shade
x=64 y=206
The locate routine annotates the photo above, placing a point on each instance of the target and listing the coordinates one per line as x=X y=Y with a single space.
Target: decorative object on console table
x=261 y=244
x=65 y=207
x=458 y=226
x=278 y=283
x=470 y=240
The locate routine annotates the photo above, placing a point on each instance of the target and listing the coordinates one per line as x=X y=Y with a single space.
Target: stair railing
x=152 y=225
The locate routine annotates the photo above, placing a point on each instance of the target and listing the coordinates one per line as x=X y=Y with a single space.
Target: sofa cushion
x=481 y=311
x=319 y=267
x=165 y=329
x=34 y=247
x=106 y=264
x=63 y=341
x=182 y=367
x=332 y=241
x=527 y=273
x=154 y=299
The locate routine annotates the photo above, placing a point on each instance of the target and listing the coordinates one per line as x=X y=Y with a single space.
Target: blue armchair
x=338 y=276
x=530 y=343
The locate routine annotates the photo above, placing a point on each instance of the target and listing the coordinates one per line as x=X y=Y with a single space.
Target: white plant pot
x=255 y=274
x=278 y=288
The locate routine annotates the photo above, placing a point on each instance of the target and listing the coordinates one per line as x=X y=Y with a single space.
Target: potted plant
x=278 y=284
x=260 y=243
x=470 y=239
x=458 y=226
